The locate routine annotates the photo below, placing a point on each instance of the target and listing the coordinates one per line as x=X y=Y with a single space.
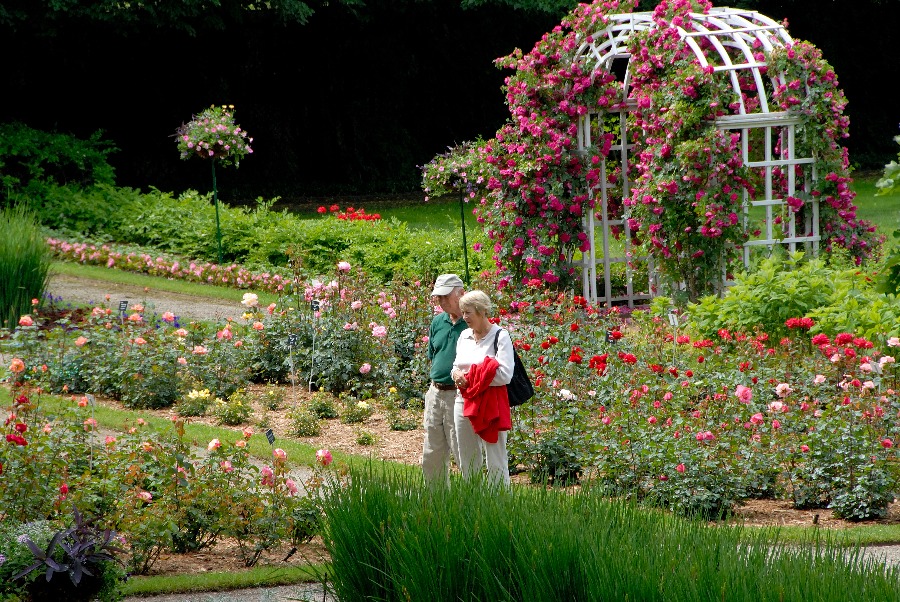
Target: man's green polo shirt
x=442 y=337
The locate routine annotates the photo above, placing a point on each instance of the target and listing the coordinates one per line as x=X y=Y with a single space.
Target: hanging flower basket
x=213 y=134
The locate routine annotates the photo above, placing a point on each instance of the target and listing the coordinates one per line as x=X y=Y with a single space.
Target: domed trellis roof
x=737 y=41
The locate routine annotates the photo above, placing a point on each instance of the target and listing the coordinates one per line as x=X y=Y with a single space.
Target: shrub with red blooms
x=351 y=214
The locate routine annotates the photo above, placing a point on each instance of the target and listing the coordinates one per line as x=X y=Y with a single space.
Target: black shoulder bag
x=519 y=389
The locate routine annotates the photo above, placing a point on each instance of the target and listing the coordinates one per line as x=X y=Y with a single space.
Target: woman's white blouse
x=468 y=353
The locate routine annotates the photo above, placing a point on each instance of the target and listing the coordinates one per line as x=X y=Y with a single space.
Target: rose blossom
x=343 y=266
x=168 y=317
x=365 y=368
x=323 y=457
x=280 y=455
x=744 y=394
x=17 y=366
x=783 y=389
x=145 y=496
x=226 y=466
x=26 y=321
x=250 y=300
x=213 y=445
x=819 y=379
x=291 y=486
x=356 y=305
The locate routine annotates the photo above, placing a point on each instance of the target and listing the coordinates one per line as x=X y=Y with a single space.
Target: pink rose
x=365 y=368
x=323 y=457
x=26 y=321
x=214 y=445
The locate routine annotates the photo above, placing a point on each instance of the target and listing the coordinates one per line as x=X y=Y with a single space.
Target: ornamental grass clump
x=24 y=264
x=387 y=534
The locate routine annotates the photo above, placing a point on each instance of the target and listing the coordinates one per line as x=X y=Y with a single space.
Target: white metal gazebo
x=735 y=41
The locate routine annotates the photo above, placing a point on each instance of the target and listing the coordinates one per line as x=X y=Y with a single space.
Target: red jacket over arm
x=487 y=407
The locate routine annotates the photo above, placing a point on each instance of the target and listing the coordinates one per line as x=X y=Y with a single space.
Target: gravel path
x=308 y=592
x=89 y=291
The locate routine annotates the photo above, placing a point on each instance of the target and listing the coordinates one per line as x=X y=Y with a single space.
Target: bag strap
x=496 y=338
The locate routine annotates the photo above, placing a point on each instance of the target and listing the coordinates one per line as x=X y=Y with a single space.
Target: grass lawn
x=883 y=211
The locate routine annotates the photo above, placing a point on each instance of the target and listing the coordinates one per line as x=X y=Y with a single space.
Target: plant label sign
x=123 y=306
x=292 y=340
x=314 y=305
x=270 y=435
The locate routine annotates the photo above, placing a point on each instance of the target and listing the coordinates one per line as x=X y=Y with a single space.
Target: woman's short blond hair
x=476 y=301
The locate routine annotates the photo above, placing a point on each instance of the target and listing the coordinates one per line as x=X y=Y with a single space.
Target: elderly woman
x=482 y=369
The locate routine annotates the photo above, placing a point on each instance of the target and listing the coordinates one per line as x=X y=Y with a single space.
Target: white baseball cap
x=445 y=284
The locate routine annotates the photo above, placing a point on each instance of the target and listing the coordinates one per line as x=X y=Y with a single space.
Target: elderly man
x=440 y=430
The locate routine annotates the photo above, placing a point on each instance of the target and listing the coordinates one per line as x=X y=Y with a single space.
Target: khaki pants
x=440 y=436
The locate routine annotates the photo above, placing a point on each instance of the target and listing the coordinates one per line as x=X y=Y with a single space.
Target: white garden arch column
x=730 y=42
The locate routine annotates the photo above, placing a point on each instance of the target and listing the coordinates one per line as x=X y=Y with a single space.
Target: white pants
x=440 y=435
x=473 y=450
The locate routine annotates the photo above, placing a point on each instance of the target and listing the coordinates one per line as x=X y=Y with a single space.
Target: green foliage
x=256 y=236
x=402 y=414
x=32 y=161
x=233 y=411
x=101 y=210
x=195 y=403
x=365 y=438
x=273 y=398
x=24 y=264
x=840 y=300
x=888 y=182
x=323 y=405
x=385 y=533
x=889 y=277
x=188 y=16
x=303 y=423
x=355 y=411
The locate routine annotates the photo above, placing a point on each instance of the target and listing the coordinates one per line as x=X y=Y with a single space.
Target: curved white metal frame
x=731 y=35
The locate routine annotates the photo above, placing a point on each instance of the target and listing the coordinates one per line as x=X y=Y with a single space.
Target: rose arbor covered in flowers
x=699 y=134
x=747 y=114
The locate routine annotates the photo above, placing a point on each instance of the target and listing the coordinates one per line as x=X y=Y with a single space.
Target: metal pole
x=462 y=219
x=216 y=201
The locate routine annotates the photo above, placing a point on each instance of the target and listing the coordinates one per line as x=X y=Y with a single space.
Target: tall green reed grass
x=390 y=539
x=24 y=264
